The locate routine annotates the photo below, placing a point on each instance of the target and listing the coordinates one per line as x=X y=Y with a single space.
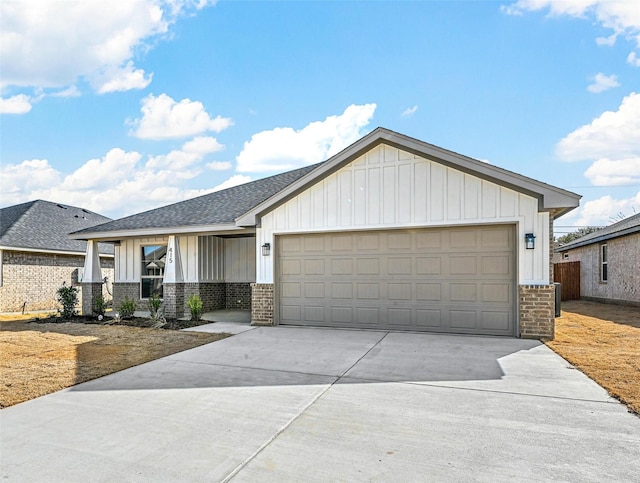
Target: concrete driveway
x=302 y=404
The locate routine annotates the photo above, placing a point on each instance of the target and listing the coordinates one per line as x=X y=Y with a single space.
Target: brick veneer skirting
x=174 y=300
x=537 y=311
x=90 y=293
x=127 y=289
x=238 y=296
x=262 y=304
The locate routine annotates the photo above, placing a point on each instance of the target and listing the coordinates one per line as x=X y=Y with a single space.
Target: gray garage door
x=459 y=280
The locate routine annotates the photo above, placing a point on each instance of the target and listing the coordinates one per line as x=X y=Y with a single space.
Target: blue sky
x=120 y=107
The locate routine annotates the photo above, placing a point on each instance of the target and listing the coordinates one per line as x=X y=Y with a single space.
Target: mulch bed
x=171 y=324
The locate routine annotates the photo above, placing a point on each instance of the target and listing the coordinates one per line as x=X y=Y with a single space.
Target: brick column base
x=262 y=304
x=173 y=295
x=537 y=311
x=90 y=293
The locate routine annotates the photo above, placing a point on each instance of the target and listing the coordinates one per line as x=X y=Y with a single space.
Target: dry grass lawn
x=38 y=359
x=603 y=341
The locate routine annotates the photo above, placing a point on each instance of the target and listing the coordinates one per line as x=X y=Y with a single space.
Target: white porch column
x=173 y=262
x=92 y=271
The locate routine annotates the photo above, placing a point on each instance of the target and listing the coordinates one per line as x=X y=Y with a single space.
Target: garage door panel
x=368 y=316
x=463 y=265
x=342 y=315
x=342 y=243
x=429 y=318
x=463 y=319
x=495 y=292
x=399 y=317
x=444 y=280
x=399 y=266
x=314 y=313
x=463 y=292
x=399 y=291
x=290 y=313
x=291 y=290
x=495 y=320
x=314 y=267
x=341 y=290
x=342 y=266
x=368 y=291
x=368 y=242
x=367 y=266
x=495 y=265
x=314 y=290
x=428 y=292
x=428 y=266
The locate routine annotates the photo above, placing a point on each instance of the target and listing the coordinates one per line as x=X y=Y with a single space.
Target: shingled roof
x=217 y=208
x=624 y=227
x=42 y=225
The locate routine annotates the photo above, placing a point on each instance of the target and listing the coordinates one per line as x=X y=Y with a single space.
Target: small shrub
x=195 y=306
x=127 y=308
x=100 y=306
x=155 y=311
x=68 y=298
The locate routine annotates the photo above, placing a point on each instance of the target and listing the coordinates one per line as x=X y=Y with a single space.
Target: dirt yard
x=603 y=341
x=41 y=358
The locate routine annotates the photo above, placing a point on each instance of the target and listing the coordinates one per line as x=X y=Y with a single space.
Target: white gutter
x=175 y=230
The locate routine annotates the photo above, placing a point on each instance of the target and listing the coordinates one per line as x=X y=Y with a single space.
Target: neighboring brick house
x=609 y=262
x=390 y=233
x=37 y=256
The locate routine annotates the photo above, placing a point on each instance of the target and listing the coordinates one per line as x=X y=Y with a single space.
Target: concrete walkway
x=300 y=404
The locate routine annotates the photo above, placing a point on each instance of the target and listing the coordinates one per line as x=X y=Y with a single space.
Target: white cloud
x=633 y=59
x=192 y=152
x=117 y=184
x=600 y=212
x=219 y=165
x=621 y=16
x=235 y=180
x=608 y=172
x=613 y=135
x=30 y=175
x=114 y=167
x=602 y=82
x=164 y=118
x=71 y=91
x=52 y=44
x=285 y=148
x=409 y=111
x=123 y=79
x=20 y=104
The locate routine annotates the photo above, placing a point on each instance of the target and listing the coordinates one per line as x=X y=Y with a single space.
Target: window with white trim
x=604 y=263
x=152 y=270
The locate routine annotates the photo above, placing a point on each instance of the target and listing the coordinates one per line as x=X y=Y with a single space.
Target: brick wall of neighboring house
x=537 y=311
x=262 y=304
x=31 y=279
x=623 y=284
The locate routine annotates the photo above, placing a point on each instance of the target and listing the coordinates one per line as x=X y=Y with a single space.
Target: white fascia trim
x=53 y=252
x=142 y=232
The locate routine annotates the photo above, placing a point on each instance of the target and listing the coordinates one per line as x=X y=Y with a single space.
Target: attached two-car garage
x=460 y=280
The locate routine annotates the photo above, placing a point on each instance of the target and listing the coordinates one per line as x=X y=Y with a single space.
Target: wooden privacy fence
x=568 y=274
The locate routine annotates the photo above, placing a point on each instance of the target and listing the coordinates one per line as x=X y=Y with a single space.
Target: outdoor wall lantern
x=266 y=249
x=530 y=241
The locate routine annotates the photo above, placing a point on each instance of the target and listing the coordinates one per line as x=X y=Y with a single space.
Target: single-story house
x=390 y=233
x=609 y=262
x=37 y=256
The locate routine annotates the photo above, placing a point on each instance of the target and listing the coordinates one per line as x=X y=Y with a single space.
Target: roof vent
x=63 y=207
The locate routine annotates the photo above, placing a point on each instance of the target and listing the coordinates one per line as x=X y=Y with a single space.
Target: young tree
x=579 y=233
